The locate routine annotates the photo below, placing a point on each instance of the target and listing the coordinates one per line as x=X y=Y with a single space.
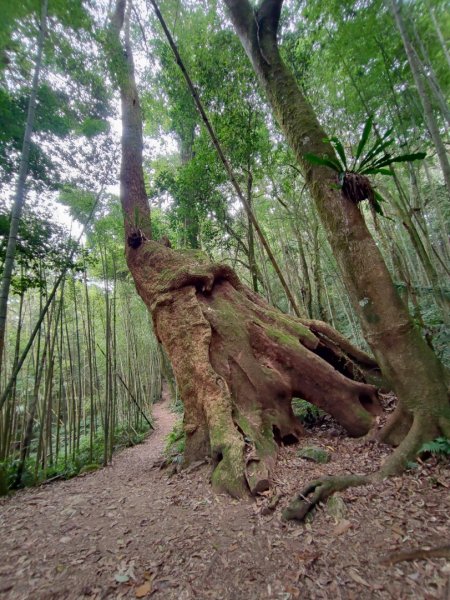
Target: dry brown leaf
x=342 y=527
x=143 y=590
x=357 y=578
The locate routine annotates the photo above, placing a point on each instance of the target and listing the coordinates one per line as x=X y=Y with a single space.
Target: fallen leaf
x=357 y=578
x=121 y=578
x=342 y=527
x=143 y=590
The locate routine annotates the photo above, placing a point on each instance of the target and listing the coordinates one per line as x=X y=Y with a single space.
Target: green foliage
x=40 y=241
x=84 y=460
x=308 y=413
x=314 y=454
x=438 y=447
x=175 y=442
x=372 y=162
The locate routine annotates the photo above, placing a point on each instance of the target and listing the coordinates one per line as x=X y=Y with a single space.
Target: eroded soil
x=131 y=531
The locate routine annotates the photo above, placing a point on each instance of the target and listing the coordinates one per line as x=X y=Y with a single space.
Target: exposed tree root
x=318 y=491
x=417 y=554
x=423 y=429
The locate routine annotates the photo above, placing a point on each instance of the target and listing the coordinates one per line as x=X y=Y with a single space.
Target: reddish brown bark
x=238 y=363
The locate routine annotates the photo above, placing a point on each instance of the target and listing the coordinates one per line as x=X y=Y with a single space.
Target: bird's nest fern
x=353 y=174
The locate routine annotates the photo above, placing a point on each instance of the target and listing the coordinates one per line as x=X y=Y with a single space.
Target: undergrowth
x=82 y=460
x=438 y=447
x=306 y=412
x=175 y=443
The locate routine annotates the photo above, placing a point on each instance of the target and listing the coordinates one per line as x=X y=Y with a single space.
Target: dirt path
x=131 y=531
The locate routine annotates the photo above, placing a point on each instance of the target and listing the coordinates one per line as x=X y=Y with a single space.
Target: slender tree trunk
x=423 y=95
x=250 y=235
x=431 y=76
x=439 y=34
x=19 y=198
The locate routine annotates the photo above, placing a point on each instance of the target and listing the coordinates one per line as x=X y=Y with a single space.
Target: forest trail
x=130 y=531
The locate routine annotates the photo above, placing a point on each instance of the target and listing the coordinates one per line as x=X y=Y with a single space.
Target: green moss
x=89 y=468
x=300 y=330
x=336 y=507
x=175 y=441
x=282 y=338
x=315 y=454
x=306 y=412
x=363 y=415
x=262 y=438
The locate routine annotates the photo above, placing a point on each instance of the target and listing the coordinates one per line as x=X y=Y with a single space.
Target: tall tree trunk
x=439 y=34
x=410 y=366
x=19 y=198
x=250 y=234
x=237 y=361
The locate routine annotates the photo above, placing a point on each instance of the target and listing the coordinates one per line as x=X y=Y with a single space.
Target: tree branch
x=269 y=12
x=242 y=15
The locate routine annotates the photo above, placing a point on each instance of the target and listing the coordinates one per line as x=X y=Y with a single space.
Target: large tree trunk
x=409 y=365
x=237 y=361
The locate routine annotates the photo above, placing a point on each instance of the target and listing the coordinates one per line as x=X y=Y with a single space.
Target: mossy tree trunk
x=237 y=361
x=409 y=365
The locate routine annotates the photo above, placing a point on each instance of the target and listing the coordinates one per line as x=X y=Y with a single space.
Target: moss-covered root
x=318 y=491
x=423 y=429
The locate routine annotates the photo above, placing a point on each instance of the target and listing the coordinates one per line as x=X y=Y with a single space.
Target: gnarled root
x=417 y=554
x=422 y=430
x=318 y=491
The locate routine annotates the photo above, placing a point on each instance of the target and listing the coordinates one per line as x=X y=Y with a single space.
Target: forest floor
x=131 y=531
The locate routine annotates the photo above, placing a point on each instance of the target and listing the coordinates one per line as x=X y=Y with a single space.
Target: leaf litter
x=130 y=531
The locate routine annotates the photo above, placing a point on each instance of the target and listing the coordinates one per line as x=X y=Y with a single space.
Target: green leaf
x=373 y=152
x=375 y=171
x=379 y=197
x=364 y=137
x=410 y=157
x=376 y=205
x=340 y=150
x=323 y=161
x=384 y=162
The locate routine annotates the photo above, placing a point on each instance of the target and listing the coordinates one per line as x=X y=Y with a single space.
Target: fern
x=438 y=447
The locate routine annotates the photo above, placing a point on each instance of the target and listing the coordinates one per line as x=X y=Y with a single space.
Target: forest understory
x=237 y=211
x=133 y=530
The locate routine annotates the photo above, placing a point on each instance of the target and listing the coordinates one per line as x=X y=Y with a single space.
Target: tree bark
x=411 y=368
x=237 y=361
